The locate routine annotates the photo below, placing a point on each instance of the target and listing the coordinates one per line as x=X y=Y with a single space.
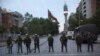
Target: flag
x=51 y=17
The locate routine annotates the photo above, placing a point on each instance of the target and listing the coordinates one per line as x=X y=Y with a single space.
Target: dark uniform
x=79 y=43
x=64 y=40
x=90 y=42
x=27 y=41
x=36 y=43
x=9 y=45
x=50 y=43
x=19 y=44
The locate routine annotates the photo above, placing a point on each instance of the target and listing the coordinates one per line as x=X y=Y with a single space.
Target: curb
x=2 y=45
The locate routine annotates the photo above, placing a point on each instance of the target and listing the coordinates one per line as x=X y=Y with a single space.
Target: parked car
x=70 y=34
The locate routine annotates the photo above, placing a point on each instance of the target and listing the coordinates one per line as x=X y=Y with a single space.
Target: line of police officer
x=79 y=42
x=63 y=40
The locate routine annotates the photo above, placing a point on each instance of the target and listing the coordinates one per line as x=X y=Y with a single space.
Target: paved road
x=57 y=48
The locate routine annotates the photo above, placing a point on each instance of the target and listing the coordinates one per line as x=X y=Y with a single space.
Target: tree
x=95 y=19
x=42 y=26
x=22 y=30
x=28 y=17
x=75 y=20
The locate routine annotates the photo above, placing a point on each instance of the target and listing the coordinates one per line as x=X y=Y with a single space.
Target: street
x=72 y=49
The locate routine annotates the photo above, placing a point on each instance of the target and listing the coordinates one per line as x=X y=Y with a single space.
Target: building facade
x=5 y=20
x=0 y=17
x=11 y=22
x=88 y=7
x=16 y=19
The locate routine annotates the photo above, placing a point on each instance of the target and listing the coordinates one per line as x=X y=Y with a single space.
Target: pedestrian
x=9 y=45
x=50 y=43
x=79 y=43
x=36 y=43
x=19 y=44
x=63 y=40
x=90 y=41
x=27 y=42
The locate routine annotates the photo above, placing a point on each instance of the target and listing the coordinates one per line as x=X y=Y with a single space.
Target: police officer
x=50 y=43
x=9 y=45
x=79 y=43
x=90 y=41
x=27 y=41
x=19 y=44
x=36 y=43
x=63 y=40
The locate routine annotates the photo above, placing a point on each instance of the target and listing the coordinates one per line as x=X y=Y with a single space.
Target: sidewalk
x=2 y=43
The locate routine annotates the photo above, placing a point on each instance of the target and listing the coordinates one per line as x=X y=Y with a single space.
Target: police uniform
x=36 y=43
x=63 y=40
x=90 y=42
x=19 y=44
x=79 y=43
x=50 y=43
x=27 y=41
x=9 y=45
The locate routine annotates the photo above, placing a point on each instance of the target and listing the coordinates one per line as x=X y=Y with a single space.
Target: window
x=84 y=15
x=84 y=3
x=84 y=7
x=84 y=11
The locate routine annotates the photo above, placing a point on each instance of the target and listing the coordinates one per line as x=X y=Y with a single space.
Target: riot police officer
x=36 y=43
x=63 y=40
x=79 y=43
x=27 y=41
x=19 y=44
x=50 y=43
x=9 y=45
x=90 y=41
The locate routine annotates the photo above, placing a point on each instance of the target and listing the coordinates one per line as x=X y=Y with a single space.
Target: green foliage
x=39 y=26
x=22 y=30
x=72 y=21
x=95 y=19
x=28 y=17
x=42 y=26
x=15 y=29
x=76 y=19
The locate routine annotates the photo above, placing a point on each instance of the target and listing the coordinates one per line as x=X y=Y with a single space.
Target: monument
x=66 y=22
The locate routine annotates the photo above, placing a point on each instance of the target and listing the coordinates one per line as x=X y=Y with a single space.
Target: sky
x=39 y=8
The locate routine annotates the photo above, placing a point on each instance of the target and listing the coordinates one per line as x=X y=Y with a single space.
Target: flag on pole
x=51 y=17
